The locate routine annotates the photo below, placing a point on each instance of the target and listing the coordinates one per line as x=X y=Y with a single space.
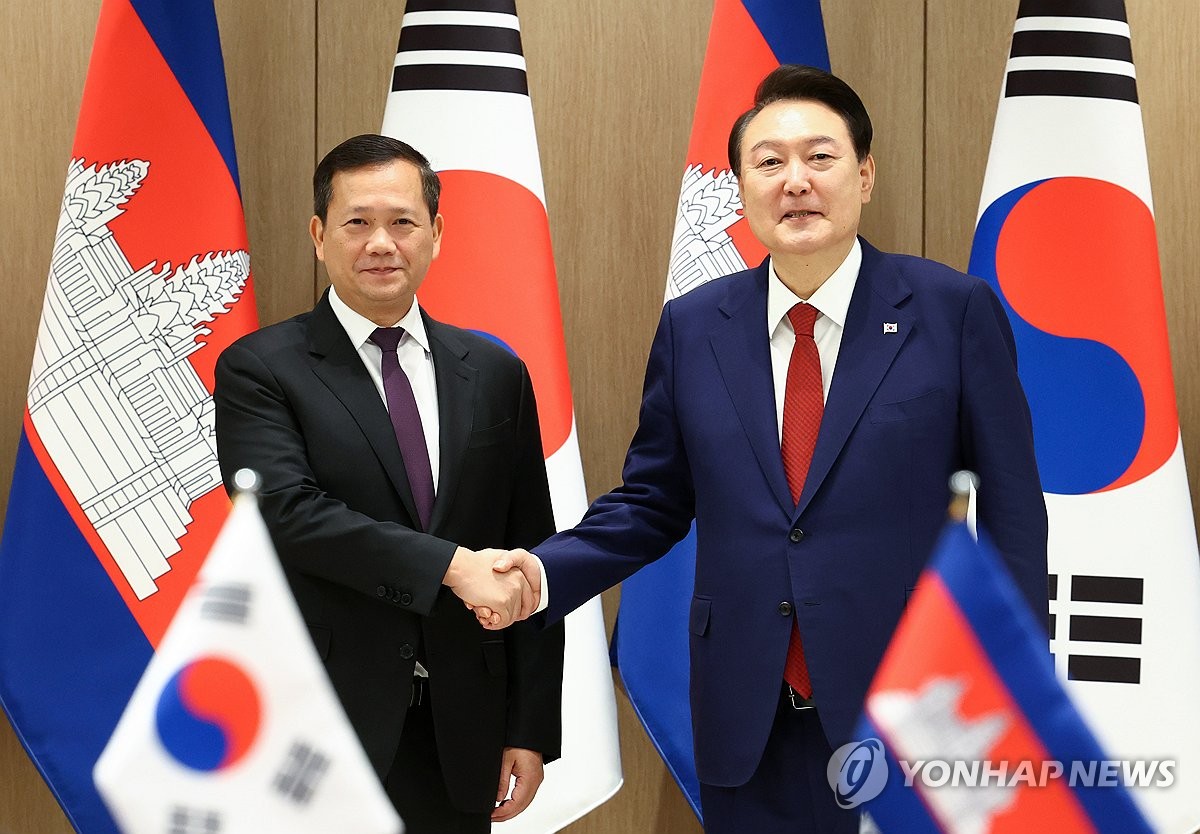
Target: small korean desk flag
x=234 y=727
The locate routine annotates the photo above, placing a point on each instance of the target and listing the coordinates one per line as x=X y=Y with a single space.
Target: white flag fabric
x=1066 y=236
x=459 y=95
x=235 y=727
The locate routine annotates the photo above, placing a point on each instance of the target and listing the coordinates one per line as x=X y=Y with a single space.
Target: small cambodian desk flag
x=967 y=729
x=747 y=39
x=116 y=494
x=459 y=94
x=235 y=727
x=1066 y=237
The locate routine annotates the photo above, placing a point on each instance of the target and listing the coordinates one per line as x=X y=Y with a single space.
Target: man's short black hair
x=794 y=82
x=369 y=150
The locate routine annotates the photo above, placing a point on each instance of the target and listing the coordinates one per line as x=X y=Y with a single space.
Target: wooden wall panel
x=613 y=87
x=969 y=43
x=271 y=71
x=875 y=45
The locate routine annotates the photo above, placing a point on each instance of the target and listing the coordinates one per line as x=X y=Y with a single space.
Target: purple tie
x=406 y=422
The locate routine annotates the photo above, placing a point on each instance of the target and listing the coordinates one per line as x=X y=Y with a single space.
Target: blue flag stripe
x=185 y=32
x=794 y=31
x=71 y=653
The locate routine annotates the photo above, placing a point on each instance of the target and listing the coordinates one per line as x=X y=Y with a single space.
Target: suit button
x=785 y=609
x=406 y=651
x=796 y=536
x=381 y=591
x=406 y=599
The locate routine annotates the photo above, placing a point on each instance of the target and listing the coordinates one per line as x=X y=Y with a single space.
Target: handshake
x=501 y=587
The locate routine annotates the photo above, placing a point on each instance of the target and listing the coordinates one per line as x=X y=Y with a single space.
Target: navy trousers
x=789 y=792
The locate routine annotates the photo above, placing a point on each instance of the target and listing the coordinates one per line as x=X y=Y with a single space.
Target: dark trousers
x=789 y=792
x=415 y=784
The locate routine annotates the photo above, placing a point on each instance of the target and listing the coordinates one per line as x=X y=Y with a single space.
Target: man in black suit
x=391 y=447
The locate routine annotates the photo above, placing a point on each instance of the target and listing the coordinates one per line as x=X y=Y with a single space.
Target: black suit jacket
x=294 y=402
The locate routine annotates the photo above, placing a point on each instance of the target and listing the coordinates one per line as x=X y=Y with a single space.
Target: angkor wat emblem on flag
x=119 y=408
x=701 y=248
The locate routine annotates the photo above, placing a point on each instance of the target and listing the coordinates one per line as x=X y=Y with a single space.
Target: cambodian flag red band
x=747 y=40
x=116 y=495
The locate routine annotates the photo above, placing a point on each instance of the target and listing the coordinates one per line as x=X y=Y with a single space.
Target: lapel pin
x=891 y=327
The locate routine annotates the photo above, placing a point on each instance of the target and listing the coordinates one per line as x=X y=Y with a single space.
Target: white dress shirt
x=415 y=359
x=832 y=300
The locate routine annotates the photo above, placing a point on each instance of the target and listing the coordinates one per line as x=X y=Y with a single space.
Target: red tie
x=803 y=404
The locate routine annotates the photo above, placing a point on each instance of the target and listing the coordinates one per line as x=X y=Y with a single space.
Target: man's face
x=378 y=239
x=801 y=183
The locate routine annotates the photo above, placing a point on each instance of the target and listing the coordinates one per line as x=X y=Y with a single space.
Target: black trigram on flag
x=1114 y=604
x=1071 y=48
x=229 y=603
x=460 y=45
x=192 y=821
x=301 y=773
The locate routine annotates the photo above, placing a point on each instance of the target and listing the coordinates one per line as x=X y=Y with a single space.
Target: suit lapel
x=743 y=355
x=864 y=357
x=456 y=408
x=338 y=365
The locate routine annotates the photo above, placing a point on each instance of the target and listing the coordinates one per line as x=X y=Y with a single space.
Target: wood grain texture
x=271 y=68
x=876 y=46
x=613 y=86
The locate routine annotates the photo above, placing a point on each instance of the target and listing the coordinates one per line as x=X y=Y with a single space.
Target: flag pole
x=246 y=482
x=962 y=483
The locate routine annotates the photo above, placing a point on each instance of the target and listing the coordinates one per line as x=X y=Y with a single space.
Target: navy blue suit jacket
x=905 y=410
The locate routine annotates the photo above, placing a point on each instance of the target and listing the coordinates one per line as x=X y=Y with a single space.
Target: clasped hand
x=500 y=586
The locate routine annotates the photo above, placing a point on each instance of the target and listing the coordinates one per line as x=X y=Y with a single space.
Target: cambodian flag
x=965 y=708
x=1066 y=237
x=747 y=39
x=459 y=95
x=116 y=495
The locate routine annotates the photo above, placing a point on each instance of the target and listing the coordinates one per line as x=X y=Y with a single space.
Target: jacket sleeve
x=535 y=655
x=997 y=433
x=257 y=427
x=652 y=509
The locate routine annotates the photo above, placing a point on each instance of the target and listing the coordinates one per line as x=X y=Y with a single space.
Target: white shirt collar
x=359 y=328
x=832 y=298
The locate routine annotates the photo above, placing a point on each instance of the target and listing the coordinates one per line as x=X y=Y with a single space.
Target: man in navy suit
x=813 y=448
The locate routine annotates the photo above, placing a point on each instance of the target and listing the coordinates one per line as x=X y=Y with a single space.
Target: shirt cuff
x=544 y=602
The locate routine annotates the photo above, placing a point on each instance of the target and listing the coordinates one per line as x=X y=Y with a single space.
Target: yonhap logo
x=857 y=772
